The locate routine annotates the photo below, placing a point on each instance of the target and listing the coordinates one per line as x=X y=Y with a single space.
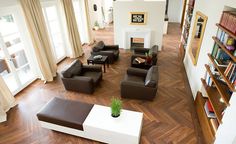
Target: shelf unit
x=187 y=22
x=218 y=93
x=186 y=26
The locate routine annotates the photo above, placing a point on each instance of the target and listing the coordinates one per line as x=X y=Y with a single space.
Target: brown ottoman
x=66 y=113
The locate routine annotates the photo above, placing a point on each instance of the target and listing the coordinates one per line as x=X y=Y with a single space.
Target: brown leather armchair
x=81 y=78
x=112 y=51
x=140 y=84
x=141 y=52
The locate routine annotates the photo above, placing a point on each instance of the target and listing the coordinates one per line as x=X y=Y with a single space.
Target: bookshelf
x=219 y=82
x=186 y=25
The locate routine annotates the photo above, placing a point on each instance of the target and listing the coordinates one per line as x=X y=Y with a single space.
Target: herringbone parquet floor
x=169 y=119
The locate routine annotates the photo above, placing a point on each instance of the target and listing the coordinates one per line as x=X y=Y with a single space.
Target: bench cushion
x=66 y=113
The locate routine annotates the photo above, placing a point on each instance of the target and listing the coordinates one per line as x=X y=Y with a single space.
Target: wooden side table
x=103 y=61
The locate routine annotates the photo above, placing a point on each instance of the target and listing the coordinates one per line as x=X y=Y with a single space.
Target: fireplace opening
x=136 y=43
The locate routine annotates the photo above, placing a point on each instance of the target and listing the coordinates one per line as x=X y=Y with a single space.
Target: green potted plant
x=116 y=105
x=96 y=25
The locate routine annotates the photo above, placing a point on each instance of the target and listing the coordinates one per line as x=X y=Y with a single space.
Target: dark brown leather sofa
x=81 y=78
x=112 y=51
x=141 y=52
x=140 y=84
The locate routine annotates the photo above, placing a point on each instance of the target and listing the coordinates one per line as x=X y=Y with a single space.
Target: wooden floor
x=169 y=119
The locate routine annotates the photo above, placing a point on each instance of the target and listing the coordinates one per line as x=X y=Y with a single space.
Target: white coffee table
x=125 y=129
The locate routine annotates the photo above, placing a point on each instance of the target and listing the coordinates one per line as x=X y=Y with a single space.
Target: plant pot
x=115 y=116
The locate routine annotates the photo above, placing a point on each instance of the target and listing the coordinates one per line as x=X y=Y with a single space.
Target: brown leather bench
x=65 y=113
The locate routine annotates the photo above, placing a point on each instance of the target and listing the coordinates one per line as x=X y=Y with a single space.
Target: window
x=54 y=27
x=79 y=9
x=15 y=68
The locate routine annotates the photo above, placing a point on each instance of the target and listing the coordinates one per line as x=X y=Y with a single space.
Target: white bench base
x=100 y=126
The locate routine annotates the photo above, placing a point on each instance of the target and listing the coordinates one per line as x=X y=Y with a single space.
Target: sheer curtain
x=89 y=26
x=79 y=9
x=72 y=28
x=40 y=38
x=7 y=100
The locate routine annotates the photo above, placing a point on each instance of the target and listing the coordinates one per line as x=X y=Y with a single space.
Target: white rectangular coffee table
x=125 y=129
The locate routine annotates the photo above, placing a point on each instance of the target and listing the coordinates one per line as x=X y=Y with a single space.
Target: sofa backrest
x=99 y=46
x=152 y=77
x=73 y=69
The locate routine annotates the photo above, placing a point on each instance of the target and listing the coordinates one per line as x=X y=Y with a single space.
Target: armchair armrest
x=79 y=83
x=111 y=47
x=137 y=72
x=92 y=68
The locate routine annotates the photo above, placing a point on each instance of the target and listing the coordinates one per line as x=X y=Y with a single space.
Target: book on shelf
x=215 y=50
x=209 y=106
x=226 y=72
x=214 y=124
x=208 y=113
x=208 y=79
x=228 y=20
x=230 y=72
x=219 y=33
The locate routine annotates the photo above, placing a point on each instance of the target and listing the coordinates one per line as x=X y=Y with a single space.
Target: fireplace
x=136 y=43
x=137 y=37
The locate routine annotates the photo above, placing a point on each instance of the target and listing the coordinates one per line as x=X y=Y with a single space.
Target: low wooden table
x=102 y=61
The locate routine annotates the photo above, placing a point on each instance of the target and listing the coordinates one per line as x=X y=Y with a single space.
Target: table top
x=129 y=122
x=103 y=59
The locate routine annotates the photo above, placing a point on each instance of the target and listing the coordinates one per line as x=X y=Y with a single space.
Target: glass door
x=55 y=30
x=14 y=64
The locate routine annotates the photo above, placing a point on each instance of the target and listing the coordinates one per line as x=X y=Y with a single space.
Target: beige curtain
x=38 y=31
x=89 y=27
x=7 y=100
x=72 y=28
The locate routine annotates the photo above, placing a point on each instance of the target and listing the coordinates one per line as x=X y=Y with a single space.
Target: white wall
x=96 y=15
x=155 y=19
x=226 y=132
x=175 y=10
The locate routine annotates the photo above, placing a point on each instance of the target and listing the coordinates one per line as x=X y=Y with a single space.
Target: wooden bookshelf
x=226 y=30
x=218 y=87
x=214 y=99
x=221 y=71
x=224 y=48
x=207 y=128
x=222 y=88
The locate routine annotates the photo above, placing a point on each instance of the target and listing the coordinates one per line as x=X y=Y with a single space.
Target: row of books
x=209 y=110
x=220 y=55
x=230 y=72
x=228 y=20
x=228 y=41
x=210 y=114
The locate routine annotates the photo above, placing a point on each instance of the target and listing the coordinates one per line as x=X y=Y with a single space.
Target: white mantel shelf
x=136 y=33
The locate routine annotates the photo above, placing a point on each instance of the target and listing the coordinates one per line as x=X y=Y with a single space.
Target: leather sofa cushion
x=99 y=46
x=73 y=69
x=151 y=77
x=66 y=113
x=96 y=76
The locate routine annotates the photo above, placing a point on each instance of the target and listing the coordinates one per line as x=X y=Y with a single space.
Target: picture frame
x=138 y=18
